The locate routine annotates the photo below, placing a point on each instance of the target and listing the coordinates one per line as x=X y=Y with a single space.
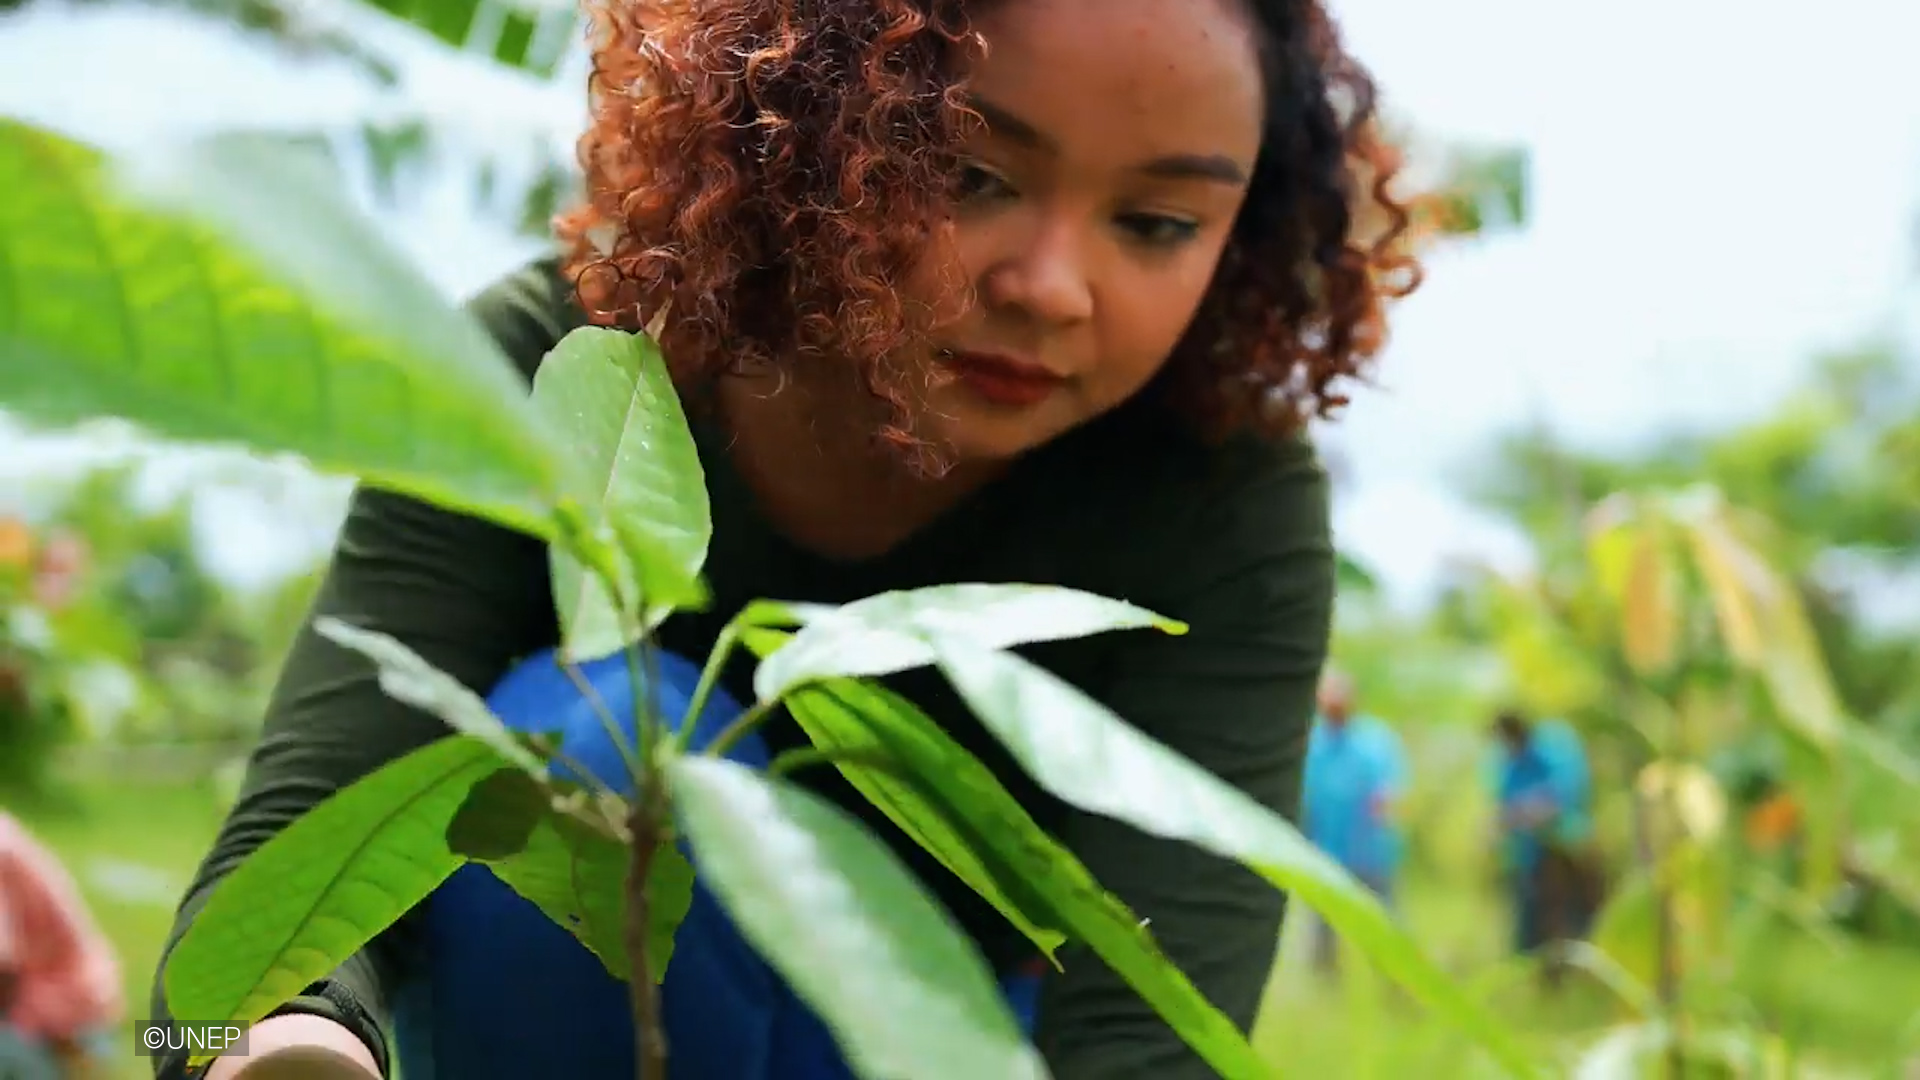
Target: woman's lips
x=1003 y=380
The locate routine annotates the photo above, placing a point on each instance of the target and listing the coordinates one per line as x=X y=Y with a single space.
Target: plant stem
x=604 y=715
x=799 y=758
x=739 y=728
x=650 y=1040
x=709 y=677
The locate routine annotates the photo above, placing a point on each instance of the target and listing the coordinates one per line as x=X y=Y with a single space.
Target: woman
x=1029 y=290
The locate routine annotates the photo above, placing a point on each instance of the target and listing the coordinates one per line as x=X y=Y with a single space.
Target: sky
x=1722 y=188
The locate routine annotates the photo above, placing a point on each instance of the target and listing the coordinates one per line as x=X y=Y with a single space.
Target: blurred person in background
x=1551 y=871
x=1355 y=778
x=60 y=996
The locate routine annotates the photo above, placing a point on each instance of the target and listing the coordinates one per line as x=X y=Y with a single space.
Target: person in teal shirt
x=1355 y=777
x=1545 y=794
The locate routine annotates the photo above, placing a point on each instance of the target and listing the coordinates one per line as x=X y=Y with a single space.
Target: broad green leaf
x=886 y=969
x=887 y=632
x=498 y=816
x=323 y=887
x=609 y=393
x=962 y=814
x=265 y=315
x=407 y=677
x=1087 y=756
x=578 y=878
x=845 y=717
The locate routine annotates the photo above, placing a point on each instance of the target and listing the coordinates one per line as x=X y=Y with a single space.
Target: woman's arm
x=469 y=596
x=1236 y=695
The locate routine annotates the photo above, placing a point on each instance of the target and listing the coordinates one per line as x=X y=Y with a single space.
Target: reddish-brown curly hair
x=759 y=174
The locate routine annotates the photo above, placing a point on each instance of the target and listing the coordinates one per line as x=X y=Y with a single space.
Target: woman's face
x=1090 y=212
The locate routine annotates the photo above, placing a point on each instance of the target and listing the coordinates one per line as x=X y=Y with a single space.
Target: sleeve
x=1236 y=695
x=469 y=596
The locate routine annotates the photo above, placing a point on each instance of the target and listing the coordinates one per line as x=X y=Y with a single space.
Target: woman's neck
x=804 y=448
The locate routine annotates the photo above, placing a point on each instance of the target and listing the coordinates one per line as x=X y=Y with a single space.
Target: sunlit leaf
x=1732 y=581
x=407 y=677
x=1764 y=625
x=609 y=392
x=1087 y=756
x=882 y=634
x=1650 y=604
x=887 y=970
x=323 y=887
x=958 y=810
x=265 y=314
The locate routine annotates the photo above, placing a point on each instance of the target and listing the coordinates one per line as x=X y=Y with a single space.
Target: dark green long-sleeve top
x=1234 y=540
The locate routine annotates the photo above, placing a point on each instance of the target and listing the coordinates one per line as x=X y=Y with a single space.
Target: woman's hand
x=298 y=1047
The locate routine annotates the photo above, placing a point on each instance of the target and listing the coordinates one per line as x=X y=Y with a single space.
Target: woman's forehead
x=1166 y=76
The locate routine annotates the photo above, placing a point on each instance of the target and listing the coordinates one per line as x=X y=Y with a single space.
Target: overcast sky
x=1722 y=187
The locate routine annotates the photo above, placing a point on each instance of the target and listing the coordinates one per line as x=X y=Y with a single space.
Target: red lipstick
x=1003 y=380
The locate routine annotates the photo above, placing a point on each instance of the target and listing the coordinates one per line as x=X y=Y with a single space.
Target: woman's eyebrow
x=1219 y=168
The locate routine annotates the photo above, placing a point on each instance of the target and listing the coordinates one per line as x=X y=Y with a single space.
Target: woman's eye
x=1159 y=230
x=972 y=182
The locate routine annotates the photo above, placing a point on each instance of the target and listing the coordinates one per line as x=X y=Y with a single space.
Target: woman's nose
x=1046 y=278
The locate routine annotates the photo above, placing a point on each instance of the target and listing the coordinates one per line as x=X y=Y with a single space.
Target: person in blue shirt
x=1355 y=777
x=1545 y=794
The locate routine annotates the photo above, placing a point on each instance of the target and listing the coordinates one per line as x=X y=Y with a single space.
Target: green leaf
x=845 y=717
x=885 y=633
x=407 y=677
x=270 y=317
x=610 y=393
x=959 y=811
x=1087 y=756
x=887 y=970
x=499 y=816
x=531 y=36
x=323 y=887
x=578 y=878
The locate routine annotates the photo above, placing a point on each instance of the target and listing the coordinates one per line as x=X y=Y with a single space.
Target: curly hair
x=760 y=174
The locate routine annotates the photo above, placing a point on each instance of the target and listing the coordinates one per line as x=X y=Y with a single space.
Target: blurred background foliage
x=1727 y=616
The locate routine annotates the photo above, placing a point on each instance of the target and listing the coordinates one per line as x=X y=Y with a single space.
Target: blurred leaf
x=886 y=969
x=1650 y=605
x=340 y=353
x=407 y=677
